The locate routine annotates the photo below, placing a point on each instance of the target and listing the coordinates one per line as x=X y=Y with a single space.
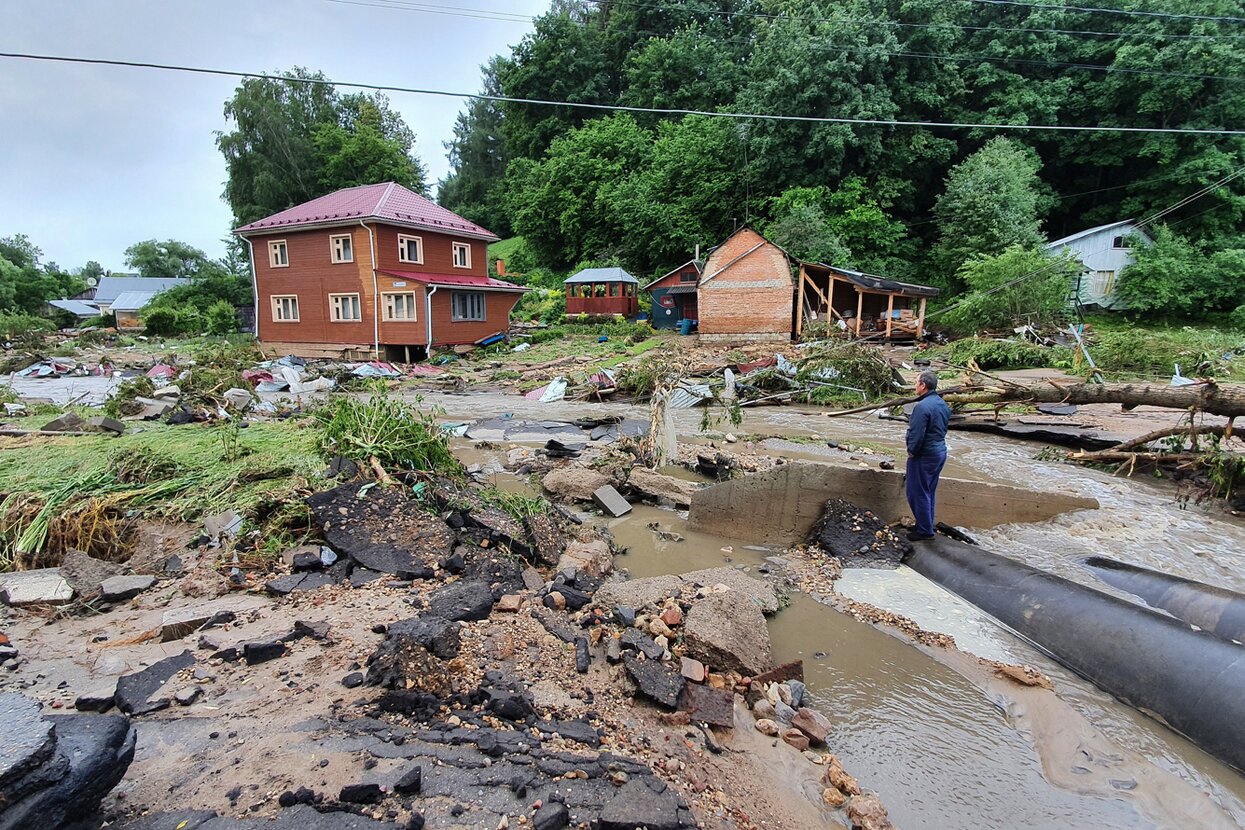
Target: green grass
x=505 y=248
x=1150 y=350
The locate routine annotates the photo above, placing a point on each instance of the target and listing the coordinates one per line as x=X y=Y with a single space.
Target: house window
x=410 y=249
x=285 y=308
x=345 y=308
x=341 y=248
x=278 y=254
x=692 y=277
x=462 y=255
x=1119 y=243
x=468 y=305
x=400 y=307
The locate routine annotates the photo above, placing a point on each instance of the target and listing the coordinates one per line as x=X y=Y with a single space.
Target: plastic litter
x=1180 y=380
x=375 y=369
x=522 y=347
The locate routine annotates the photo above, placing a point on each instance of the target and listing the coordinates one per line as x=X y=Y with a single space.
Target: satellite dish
x=91 y=282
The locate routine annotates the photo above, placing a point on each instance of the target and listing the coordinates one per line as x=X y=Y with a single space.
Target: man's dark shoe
x=913 y=536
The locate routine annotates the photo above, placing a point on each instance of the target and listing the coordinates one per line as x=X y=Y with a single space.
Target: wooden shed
x=865 y=304
x=674 y=296
x=602 y=291
x=747 y=290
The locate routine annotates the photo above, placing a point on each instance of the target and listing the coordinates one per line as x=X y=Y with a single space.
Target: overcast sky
x=95 y=158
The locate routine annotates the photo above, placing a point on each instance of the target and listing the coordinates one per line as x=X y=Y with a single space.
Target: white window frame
x=390 y=305
x=461 y=246
x=469 y=296
x=336 y=251
x=272 y=253
x=419 y=248
x=335 y=308
x=1120 y=243
x=278 y=308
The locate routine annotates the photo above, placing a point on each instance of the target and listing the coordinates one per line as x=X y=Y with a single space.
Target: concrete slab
x=780 y=506
x=611 y=501
x=46 y=585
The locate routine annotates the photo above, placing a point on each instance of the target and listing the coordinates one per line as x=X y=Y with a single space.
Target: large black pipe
x=1213 y=609
x=1191 y=680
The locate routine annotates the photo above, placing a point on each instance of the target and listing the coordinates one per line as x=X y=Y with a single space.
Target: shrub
x=160 y=321
x=221 y=318
x=998 y=354
x=1237 y=318
x=1020 y=285
x=394 y=433
x=18 y=324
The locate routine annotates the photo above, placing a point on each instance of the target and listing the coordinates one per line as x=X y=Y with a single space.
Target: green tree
x=690 y=69
x=1020 y=285
x=369 y=143
x=1176 y=277
x=25 y=283
x=990 y=203
x=477 y=157
x=168 y=259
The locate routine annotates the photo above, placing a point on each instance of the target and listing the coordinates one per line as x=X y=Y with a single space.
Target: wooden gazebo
x=602 y=291
x=866 y=304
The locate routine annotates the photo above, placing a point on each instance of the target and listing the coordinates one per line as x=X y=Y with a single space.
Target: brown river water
x=942 y=748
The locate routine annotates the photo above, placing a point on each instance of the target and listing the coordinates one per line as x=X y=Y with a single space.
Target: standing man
x=927 y=453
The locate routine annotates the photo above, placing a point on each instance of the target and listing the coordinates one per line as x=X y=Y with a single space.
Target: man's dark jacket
x=927 y=426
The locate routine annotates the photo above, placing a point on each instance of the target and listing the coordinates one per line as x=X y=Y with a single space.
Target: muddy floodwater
x=941 y=748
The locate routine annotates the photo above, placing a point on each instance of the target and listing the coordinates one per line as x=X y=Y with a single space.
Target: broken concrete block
x=593 y=558
x=121 y=588
x=179 y=622
x=96 y=700
x=86 y=574
x=715 y=707
x=609 y=500
x=655 y=679
x=170 y=391
x=151 y=409
x=662 y=487
x=68 y=422
x=813 y=724
x=44 y=586
x=510 y=603
x=105 y=424
x=727 y=631
x=577 y=483
x=136 y=693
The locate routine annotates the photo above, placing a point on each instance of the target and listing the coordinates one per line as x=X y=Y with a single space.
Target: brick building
x=747 y=290
x=375 y=269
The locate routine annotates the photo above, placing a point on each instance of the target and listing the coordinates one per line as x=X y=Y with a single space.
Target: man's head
x=927 y=381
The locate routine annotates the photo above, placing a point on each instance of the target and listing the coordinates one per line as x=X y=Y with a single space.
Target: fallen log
x=1205 y=396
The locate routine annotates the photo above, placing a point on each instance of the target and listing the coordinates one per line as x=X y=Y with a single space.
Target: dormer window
x=462 y=255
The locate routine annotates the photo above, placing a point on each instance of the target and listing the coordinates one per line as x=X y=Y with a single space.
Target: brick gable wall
x=753 y=296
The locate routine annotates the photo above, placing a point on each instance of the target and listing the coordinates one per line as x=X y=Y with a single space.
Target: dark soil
x=857 y=537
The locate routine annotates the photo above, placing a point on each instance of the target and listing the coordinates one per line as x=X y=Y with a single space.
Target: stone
x=314 y=630
x=136 y=693
x=638 y=593
x=410 y=782
x=552 y=815
x=672 y=615
x=593 y=558
x=575 y=598
x=555 y=600
x=96 y=700
x=779 y=674
x=783 y=691
x=262 y=652
x=437 y=634
x=574 y=483
x=813 y=724
x=307 y=561
x=693 y=670
x=532 y=580
x=767 y=727
x=361 y=794
x=403 y=664
x=636 y=804
x=122 y=588
x=467 y=599
x=40 y=587
x=302 y=581
x=613 y=650
x=353 y=680
x=661 y=487
x=239 y=399
x=728 y=632
x=833 y=797
x=188 y=695
x=69 y=422
x=624 y=616
x=758 y=591
x=106 y=424
x=715 y=707
x=795 y=738
x=867 y=813
x=764 y=709
x=839 y=778
x=583 y=658
x=798 y=689
x=638 y=641
x=86 y=574
x=655 y=679
x=783 y=713
x=611 y=501
x=170 y=391
x=510 y=603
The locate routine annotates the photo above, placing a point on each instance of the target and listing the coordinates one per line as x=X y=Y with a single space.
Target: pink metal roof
x=457 y=280
x=386 y=202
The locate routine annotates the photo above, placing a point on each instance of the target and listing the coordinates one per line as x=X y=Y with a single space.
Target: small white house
x=1104 y=251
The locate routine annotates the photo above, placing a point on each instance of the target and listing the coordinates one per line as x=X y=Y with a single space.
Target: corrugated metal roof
x=110 y=288
x=76 y=307
x=387 y=202
x=1087 y=232
x=876 y=283
x=457 y=280
x=603 y=275
x=132 y=300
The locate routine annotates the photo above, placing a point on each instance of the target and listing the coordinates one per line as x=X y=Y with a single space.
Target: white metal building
x=1104 y=251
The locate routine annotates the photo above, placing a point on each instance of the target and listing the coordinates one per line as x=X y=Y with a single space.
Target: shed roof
x=110 y=288
x=132 y=300
x=602 y=275
x=1089 y=231
x=872 y=282
x=472 y=281
x=79 y=308
x=695 y=263
x=387 y=202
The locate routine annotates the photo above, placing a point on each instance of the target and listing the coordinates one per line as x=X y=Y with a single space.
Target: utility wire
x=808 y=119
x=892 y=23
x=433 y=8
x=1099 y=10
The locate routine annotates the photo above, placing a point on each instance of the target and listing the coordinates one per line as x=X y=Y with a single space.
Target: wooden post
x=890 y=309
x=860 y=309
x=920 y=319
x=799 y=314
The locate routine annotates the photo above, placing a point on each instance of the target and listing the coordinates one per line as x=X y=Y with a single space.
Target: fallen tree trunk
x=1208 y=397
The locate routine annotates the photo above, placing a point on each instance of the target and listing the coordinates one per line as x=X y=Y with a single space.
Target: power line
x=809 y=119
x=902 y=24
x=397 y=5
x=1099 y=10
x=433 y=8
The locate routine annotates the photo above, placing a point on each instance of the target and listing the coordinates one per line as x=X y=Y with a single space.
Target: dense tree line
x=918 y=202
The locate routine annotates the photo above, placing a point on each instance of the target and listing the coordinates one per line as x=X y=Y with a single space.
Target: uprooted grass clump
x=124 y=397
x=389 y=432
x=990 y=354
x=835 y=371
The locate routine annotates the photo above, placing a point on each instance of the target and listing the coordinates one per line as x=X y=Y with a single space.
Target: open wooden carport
x=866 y=304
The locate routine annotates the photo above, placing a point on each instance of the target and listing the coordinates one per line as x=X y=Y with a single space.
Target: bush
x=1020 y=285
x=395 y=434
x=160 y=321
x=999 y=354
x=221 y=318
x=18 y=324
x=1154 y=352
x=1237 y=318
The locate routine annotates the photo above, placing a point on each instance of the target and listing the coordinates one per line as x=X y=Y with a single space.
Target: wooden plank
x=860 y=309
x=890 y=313
x=799 y=318
x=920 y=319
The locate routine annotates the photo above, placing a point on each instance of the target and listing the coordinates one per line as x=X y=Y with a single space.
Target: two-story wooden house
x=375 y=269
